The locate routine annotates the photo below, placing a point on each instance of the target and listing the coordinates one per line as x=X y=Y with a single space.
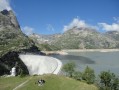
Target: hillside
x=11 y=36
x=12 y=42
x=53 y=82
x=44 y=42
x=81 y=38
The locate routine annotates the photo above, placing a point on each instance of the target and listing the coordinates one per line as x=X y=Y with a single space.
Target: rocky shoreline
x=55 y=52
x=65 y=52
x=90 y=50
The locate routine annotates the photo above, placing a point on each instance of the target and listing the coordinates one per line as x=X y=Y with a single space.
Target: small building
x=13 y=71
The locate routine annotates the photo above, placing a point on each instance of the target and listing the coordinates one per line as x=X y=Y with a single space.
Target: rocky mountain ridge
x=82 y=38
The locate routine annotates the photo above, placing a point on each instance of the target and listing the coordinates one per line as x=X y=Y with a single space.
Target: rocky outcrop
x=8 y=19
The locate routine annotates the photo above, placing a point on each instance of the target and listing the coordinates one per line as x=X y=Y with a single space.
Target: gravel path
x=22 y=84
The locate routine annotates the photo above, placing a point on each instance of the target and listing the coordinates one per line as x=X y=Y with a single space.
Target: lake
x=99 y=61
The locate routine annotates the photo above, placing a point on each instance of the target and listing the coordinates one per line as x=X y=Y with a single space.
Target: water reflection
x=78 y=59
x=99 y=61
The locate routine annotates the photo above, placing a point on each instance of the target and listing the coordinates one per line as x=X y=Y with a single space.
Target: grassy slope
x=53 y=82
x=11 y=82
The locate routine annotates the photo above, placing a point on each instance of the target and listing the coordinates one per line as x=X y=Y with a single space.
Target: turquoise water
x=99 y=61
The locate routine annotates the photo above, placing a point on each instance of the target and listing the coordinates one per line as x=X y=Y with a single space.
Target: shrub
x=77 y=75
x=69 y=68
x=88 y=75
x=108 y=81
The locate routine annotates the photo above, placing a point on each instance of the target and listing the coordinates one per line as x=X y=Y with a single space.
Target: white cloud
x=109 y=27
x=5 y=4
x=116 y=19
x=50 y=27
x=75 y=23
x=104 y=26
x=27 y=30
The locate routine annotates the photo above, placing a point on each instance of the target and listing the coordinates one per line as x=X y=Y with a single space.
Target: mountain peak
x=5 y=12
x=8 y=18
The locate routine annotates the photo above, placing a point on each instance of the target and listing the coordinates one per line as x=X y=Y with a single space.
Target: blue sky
x=57 y=16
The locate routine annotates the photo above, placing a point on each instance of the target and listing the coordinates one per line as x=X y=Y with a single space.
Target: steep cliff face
x=11 y=36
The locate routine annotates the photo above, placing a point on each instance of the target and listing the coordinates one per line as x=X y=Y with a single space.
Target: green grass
x=53 y=82
x=8 y=83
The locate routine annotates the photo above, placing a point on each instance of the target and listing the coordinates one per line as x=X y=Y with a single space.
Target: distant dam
x=37 y=64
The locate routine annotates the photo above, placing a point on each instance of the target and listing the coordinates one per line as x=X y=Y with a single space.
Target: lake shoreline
x=65 y=51
x=90 y=50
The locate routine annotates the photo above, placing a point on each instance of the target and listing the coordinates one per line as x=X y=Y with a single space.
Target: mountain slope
x=11 y=36
x=83 y=38
x=113 y=34
x=12 y=42
x=44 y=42
x=87 y=38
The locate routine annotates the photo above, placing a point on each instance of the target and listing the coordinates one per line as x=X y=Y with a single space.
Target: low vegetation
x=107 y=80
x=88 y=75
x=69 y=69
x=47 y=47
